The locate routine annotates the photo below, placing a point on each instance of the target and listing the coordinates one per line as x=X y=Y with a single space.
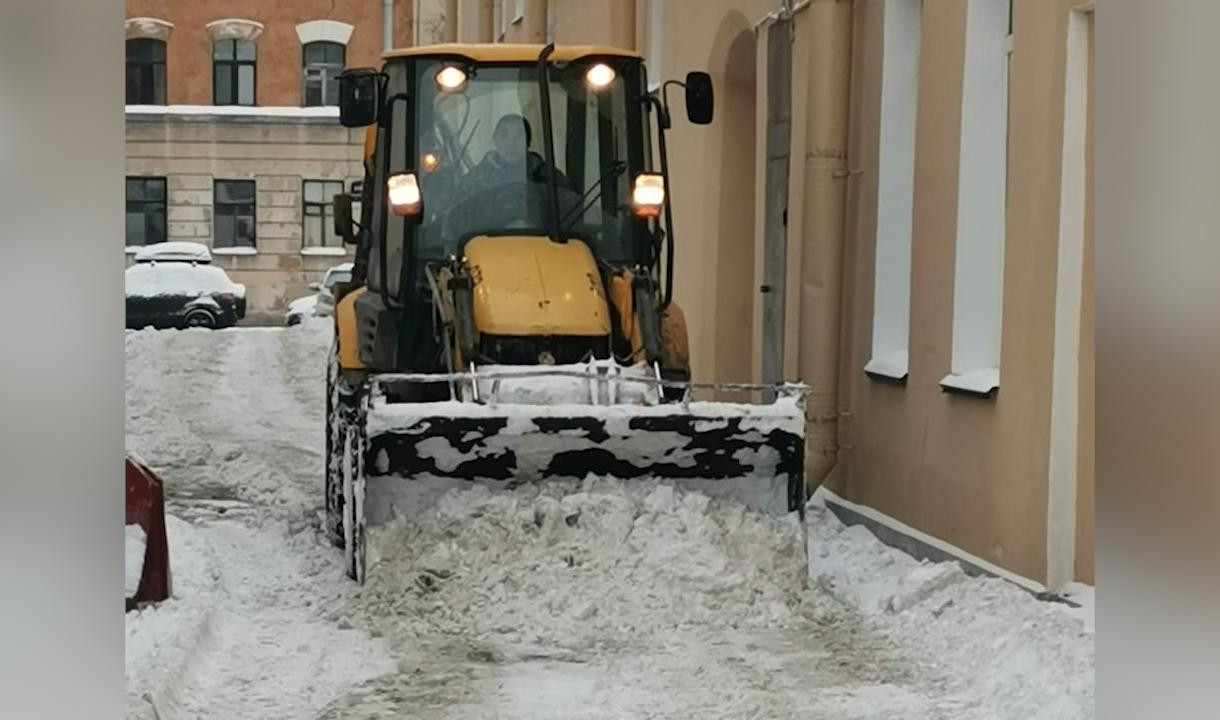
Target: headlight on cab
x=648 y=194
x=403 y=192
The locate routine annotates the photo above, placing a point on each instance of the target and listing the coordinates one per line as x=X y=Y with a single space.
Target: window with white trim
x=656 y=20
x=895 y=188
x=323 y=63
x=318 y=213
x=978 y=281
x=233 y=68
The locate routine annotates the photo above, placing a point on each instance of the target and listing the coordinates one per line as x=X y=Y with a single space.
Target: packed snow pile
x=546 y=565
x=1021 y=657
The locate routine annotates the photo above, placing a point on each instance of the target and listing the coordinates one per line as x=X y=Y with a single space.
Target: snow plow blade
x=406 y=455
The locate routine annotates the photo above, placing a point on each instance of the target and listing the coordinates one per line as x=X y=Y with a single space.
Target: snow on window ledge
x=235 y=251
x=290 y=111
x=982 y=382
x=336 y=251
x=888 y=367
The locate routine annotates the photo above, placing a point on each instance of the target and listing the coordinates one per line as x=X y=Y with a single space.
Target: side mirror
x=315 y=286
x=699 y=100
x=344 y=227
x=359 y=97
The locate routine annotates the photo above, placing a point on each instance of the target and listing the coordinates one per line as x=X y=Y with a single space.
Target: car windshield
x=337 y=276
x=481 y=159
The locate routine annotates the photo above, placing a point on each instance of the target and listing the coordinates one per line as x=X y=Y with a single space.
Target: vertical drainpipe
x=486 y=17
x=387 y=24
x=825 y=177
x=451 y=20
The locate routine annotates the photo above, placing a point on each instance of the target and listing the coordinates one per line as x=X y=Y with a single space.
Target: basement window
x=978 y=283
x=895 y=190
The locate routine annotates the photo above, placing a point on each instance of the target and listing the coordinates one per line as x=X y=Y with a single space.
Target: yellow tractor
x=511 y=319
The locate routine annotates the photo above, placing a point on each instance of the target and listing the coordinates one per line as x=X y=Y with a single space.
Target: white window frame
x=901 y=30
x=326 y=216
x=518 y=11
x=324 y=31
x=978 y=283
x=1063 y=451
x=656 y=32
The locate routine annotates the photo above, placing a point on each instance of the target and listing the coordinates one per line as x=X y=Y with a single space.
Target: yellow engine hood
x=529 y=286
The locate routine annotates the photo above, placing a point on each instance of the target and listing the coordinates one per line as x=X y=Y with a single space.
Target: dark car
x=174 y=285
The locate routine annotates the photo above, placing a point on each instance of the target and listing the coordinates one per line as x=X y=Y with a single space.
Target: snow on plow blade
x=752 y=453
x=412 y=453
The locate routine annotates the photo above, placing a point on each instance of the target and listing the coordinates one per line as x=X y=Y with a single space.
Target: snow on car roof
x=172 y=278
x=174 y=250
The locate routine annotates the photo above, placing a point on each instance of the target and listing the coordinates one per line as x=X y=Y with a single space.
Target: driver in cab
x=510 y=160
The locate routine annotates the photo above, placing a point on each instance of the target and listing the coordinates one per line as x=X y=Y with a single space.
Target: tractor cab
x=490 y=150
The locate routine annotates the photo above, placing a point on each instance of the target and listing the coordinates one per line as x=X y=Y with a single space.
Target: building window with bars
x=323 y=63
x=145 y=71
x=233 y=76
x=233 y=214
x=145 y=210
x=318 y=208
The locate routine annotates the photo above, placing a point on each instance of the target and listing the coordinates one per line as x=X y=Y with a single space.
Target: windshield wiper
x=582 y=206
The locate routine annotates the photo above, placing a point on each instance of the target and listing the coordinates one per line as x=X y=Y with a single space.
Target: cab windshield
x=482 y=164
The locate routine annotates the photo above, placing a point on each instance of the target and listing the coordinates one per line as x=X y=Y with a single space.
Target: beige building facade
x=894 y=205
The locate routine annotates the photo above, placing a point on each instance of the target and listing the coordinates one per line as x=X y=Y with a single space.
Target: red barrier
x=146 y=508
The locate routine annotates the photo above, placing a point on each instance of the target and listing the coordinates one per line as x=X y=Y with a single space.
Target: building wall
x=189 y=50
x=278 y=154
x=277 y=149
x=1086 y=445
x=971 y=470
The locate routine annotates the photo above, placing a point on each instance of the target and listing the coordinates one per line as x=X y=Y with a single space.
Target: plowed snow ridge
x=581 y=600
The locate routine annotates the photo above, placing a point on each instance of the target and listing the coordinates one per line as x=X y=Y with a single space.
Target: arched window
x=145 y=71
x=323 y=61
x=233 y=63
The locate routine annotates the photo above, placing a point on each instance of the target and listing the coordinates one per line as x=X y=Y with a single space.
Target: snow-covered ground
x=613 y=601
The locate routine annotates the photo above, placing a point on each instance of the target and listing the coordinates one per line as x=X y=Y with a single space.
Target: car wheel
x=200 y=318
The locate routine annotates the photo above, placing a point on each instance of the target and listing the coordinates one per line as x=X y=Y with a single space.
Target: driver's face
x=509 y=140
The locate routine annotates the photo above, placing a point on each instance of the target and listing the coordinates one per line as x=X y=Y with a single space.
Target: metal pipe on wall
x=486 y=19
x=823 y=176
x=387 y=24
x=451 y=20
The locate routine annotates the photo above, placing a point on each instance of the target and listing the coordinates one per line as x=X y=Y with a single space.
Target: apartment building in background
x=893 y=205
x=233 y=135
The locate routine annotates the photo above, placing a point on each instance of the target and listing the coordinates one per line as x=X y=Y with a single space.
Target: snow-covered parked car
x=322 y=302
x=174 y=284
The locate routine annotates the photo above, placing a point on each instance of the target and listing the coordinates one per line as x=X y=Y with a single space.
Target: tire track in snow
x=269 y=655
